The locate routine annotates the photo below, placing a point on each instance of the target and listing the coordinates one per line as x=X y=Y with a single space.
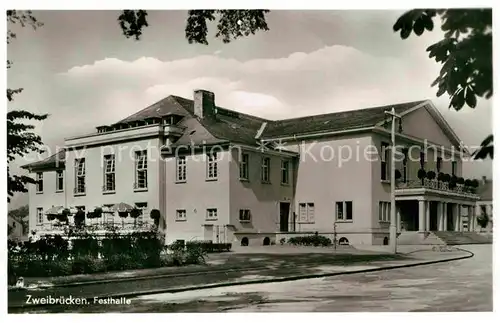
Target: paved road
x=464 y=285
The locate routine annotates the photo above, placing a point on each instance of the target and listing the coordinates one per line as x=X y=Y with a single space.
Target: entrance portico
x=424 y=209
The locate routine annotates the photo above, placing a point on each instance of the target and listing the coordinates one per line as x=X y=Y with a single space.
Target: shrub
x=431 y=175
x=121 y=262
x=483 y=220
x=86 y=264
x=86 y=246
x=446 y=178
x=312 y=240
x=282 y=241
x=460 y=180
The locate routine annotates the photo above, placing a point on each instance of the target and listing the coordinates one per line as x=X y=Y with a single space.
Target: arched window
x=244 y=242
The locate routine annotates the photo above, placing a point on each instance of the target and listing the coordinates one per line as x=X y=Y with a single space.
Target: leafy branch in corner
x=465 y=54
x=21 y=140
x=232 y=24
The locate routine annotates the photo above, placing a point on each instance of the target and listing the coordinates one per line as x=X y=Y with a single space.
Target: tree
x=465 y=54
x=20 y=138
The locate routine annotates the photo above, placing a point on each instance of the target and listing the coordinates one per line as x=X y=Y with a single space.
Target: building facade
x=216 y=174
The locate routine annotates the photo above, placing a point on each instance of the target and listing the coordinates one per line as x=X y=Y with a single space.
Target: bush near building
x=311 y=240
x=88 y=253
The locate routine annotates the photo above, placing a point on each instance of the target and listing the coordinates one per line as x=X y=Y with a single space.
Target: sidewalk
x=293 y=268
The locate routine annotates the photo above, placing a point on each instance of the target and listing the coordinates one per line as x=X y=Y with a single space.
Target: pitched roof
x=54 y=161
x=337 y=121
x=236 y=127
x=485 y=190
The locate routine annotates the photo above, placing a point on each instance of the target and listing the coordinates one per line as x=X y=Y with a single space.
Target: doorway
x=284 y=216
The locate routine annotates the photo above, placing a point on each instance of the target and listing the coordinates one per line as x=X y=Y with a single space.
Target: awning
x=55 y=210
x=122 y=207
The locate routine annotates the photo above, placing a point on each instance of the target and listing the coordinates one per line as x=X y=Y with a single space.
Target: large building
x=220 y=175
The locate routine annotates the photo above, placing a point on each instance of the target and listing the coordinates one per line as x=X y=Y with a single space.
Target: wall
x=195 y=195
x=124 y=178
x=262 y=199
x=324 y=178
x=45 y=200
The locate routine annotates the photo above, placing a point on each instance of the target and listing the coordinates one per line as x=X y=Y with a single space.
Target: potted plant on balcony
x=453 y=183
x=80 y=218
x=155 y=215
x=134 y=214
x=446 y=178
x=51 y=217
x=474 y=184
x=123 y=215
x=67 y=212
x=461 y=181
x=397 y=174
x=422 y=174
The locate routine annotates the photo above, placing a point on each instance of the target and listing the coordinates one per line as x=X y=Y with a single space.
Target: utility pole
x=393 y=229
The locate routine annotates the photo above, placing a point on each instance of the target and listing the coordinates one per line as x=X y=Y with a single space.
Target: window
x=384 y=165
x=422 y=160
x=143 y=206
x=344 y=211
x=211 y=214
x=265 y=169
x=245 y=216
x=405 y=165
x=39 y=182
x=454 y=168
x=80 y=176
x=141 y=170
x=109 y=173
x=384 y=210
x=244 y=166
x=285 y=171
x=59 y=181
x=180 y=215
x=212 y=166
x=180 y=169
x=39 y=215
x=439 y=162
x=306 y=212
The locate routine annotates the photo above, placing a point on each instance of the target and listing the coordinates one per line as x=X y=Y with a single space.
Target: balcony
x=412 y=187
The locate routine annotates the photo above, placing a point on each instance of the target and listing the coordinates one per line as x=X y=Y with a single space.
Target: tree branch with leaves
x=465 y=54
x=21 y=140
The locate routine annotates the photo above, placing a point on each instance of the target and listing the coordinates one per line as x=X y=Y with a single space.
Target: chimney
x=204 y=104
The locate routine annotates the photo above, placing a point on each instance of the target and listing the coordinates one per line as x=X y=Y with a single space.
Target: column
x=398 y=219
x=439 y=216
x=427 y=215
x=421 y=215
x=472 y=217
x=454 y=207
x=445 y=216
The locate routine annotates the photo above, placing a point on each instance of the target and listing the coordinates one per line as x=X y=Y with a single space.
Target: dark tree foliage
x=20 y=138
x=465 y=54
x=232 y=24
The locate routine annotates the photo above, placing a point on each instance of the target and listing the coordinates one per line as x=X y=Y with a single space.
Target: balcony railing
x=60 y=228
x=436 y=185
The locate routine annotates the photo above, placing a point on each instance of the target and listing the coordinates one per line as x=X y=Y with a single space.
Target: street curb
x=258 y=281
x=174 y=275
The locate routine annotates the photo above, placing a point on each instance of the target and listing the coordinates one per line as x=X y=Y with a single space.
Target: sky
x=80 y=69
